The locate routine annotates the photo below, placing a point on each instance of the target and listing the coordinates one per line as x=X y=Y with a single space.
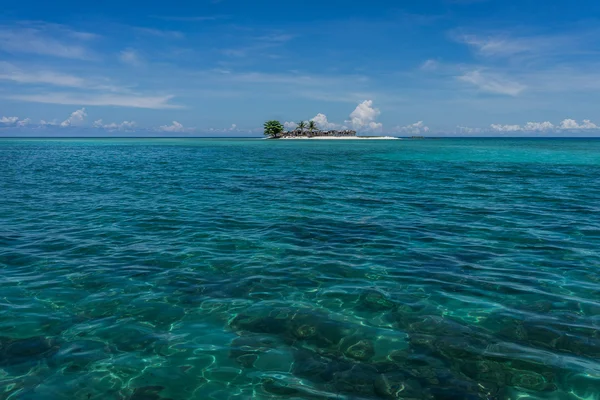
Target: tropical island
x=275 y=130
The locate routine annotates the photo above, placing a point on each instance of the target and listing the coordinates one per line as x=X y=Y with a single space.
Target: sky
x=223 y=67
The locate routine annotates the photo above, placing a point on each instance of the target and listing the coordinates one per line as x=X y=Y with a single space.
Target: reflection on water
x=236 y=269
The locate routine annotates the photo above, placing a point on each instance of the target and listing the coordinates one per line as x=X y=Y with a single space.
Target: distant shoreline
x=338 y=138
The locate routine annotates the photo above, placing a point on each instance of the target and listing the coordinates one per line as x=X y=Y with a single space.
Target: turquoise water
x=149 y=269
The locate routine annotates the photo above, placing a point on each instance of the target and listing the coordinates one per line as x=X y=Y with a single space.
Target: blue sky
x=223 y=67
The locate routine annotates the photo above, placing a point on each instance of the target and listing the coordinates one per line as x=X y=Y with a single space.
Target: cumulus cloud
x=9 y=120
x=48 y=123
x=492 y=83
x=232 y=128
x=565 y=125
x=571 y=124
x=174 y=127
x=14 y=121
x=364 y=115
x=506 y=128
x=76 y=118
x=415 y=129
x=123 y=126
x=362 y=118
x=538 y=126
x=290 y=126
x=322 y=122
x=468 y=130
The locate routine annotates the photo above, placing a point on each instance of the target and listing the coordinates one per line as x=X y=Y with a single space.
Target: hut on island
x=307 y=133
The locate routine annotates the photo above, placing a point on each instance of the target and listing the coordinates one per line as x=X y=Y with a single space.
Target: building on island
x=308 y=133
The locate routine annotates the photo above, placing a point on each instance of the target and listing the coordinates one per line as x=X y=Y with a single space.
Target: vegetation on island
x=275 y=130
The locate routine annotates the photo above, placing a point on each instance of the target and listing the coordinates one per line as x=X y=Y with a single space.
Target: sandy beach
x=341 y=138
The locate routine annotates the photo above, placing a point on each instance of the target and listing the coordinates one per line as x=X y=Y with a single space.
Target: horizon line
x=263 y=137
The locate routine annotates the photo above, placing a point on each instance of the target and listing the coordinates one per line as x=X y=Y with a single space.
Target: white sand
x=341 y=138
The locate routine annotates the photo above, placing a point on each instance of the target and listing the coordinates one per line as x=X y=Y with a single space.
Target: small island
x=275 y=130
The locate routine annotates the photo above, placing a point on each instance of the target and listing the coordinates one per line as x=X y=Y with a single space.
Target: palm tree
x=301 y=126
x=273 y=128
x=312 y=126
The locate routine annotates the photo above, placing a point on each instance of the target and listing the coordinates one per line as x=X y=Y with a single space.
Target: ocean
x=148 y=269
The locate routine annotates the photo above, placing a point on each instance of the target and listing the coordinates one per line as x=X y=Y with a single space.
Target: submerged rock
x=17 y=351
x=358 y=379
x=308 y=364
x=375 y=300
x=528 y=380
x=148 y=393
x=246 y=349
x=357 y=348
x=293 y=324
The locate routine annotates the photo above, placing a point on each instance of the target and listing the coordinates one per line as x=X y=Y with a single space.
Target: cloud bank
x=565 y=125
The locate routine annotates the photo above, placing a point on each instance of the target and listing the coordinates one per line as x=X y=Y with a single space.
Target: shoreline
x=340 y=138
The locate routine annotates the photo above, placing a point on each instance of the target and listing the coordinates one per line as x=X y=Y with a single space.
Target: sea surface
x=149 y=269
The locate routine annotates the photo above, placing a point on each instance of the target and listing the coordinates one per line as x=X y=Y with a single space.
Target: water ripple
x=247 y=269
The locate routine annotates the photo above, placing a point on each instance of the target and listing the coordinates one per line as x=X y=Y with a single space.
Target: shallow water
x=149 y=269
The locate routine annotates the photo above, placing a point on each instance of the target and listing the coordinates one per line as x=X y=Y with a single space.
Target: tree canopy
x=273 y=128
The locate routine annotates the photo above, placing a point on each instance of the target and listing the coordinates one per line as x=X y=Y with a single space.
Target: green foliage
x=312 y=126
x=273 y=128
x=302 y=125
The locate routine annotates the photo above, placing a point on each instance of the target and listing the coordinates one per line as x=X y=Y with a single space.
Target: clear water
x=249 y=269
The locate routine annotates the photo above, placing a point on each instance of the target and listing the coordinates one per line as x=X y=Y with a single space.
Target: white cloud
x=124 y=126
x=24 y=122
x=505 y=128
x=232 y=128
x=160 y=33
x=77 y=118
x=538 y=126
x=290 y=126
x=571 y=124
x=174 y=127
x=566 y=125
x=507 y=46
x=468 y=130
x=14 y=121
x=496 y=46
x=131 y=57
x=9 y=120
x=492 y=83
x=49 y=123
x=136 y=101
x=430 y=65
x=415 y=129
x=45 y=39
x=322 y=122
x=364 y=115
x=12 y=73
